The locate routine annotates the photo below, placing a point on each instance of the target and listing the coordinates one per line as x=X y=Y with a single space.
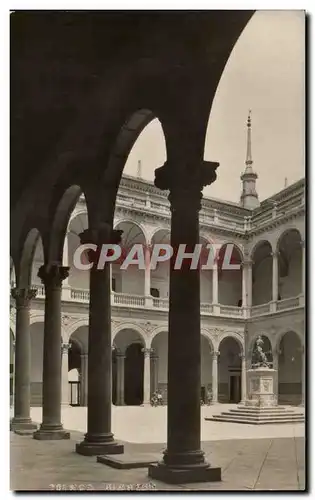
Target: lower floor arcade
x=139 y=369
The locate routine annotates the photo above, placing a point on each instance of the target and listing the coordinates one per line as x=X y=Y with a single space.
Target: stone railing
x=132 y=300
x=289 y=303
x=231 y=311
x=128 y=299
x=205 y=307
x=160 y=303
x=40 y=290
x=260 y=309
x=80 y=295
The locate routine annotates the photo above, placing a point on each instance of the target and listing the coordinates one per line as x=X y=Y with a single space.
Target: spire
x=139 y=170
x=249 y=197
x=249 y=160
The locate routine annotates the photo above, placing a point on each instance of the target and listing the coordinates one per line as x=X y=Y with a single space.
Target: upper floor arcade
x=267 y=253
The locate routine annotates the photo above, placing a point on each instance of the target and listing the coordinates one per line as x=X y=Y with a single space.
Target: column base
x=194 y=474
x=22 y=426
x=51 y=433
x=93 y=445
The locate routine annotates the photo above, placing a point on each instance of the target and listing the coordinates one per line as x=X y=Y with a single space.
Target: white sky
x=265 y=73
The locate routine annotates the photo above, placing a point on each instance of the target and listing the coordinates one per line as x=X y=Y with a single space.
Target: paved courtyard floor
x=251 y=457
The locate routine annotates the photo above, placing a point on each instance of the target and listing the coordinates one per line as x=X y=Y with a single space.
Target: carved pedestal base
x=261 y=391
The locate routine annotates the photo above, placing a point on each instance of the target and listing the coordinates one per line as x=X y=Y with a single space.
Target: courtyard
x=268 y=457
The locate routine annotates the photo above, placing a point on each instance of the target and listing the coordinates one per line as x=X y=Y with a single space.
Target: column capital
x=247 y=262
x=146 y=351
x=242 y=356
x=275 y=254
x=185 y=182
x=23 y=296
x=215 y=354
x=302 y=243
x=65 y=346
x=52 y=275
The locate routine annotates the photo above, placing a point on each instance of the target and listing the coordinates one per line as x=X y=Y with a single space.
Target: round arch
x=230 y=278
x=290 y=366
x=30 y=244
x=229 y=369
x=289 y=230
x=262 y=272
x=233 y=336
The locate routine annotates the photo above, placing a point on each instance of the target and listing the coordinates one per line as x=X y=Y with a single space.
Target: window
x=154 y=292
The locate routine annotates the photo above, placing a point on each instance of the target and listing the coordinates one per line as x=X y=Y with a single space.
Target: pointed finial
x=285 y=182
x=249 y=160
x=139 y=170
x=249 y=123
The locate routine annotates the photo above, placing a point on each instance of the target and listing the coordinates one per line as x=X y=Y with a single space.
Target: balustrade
x=128 y=299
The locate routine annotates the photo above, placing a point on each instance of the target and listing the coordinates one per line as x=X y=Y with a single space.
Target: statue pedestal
x=261 y=387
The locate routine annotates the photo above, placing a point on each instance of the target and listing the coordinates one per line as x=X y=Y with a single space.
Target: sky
x=265 y=73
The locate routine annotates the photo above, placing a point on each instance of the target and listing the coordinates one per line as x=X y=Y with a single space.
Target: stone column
x=154 y=372
x=215 y=377
x=275 y=366
x=64 y=374
x=247 y=286
x=303 y=268
x=147 y=276
x=21 y=422
x=215 y=289
x=99 y=439
x=244 y=379
x=183 y=459
x=275 y=281
x=66 y=289
x=146 y=376
x=303 y=377
x=51 y=426
x=84 y=380
x=120 y=380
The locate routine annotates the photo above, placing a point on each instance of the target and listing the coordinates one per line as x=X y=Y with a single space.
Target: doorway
x=134 y=366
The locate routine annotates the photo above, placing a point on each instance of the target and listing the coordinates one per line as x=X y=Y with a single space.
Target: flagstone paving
x=247 y=464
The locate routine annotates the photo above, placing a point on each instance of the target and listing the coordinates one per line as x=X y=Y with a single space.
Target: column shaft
x=146 y=377
x=183 y=459
x=51 y=427
x=244 y=380
x=154 y=373
x=99 y=439
x=215 y=377
x=84 y=380
x=215 y=284
x=120 y=389
x=147 y=274
x=64 y=375
x=21 y=422
x=275 y=278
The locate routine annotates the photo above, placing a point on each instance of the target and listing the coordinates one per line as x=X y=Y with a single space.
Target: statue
x=260 y=355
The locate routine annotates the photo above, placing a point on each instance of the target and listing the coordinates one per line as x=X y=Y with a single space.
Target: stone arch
x=75 y=325
x=230 y=280
x=229 y=369
x=233 y=336
x=262 y=272
x=126 y=220
x=64 y=202
x=290 y=367
x=258 y=244
x=283 y=332
x=131 y=326
x=80 y=336
x=255 y=337
x=289 y=251
x=24 y=272
x=287 y=231
x=267 y=349
x=133 y=124
x=131 y=344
